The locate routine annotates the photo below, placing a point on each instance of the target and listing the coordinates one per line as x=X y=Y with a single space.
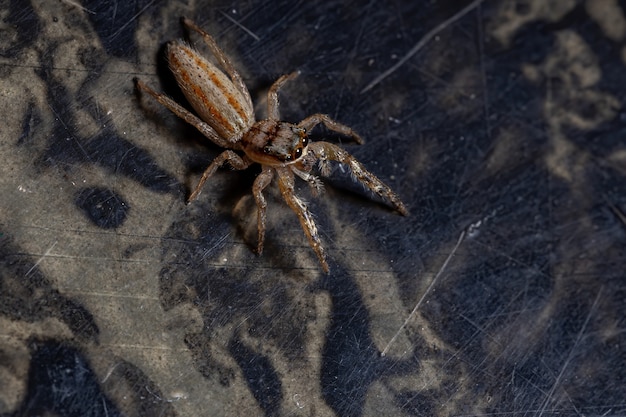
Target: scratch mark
x=110 y=294
x=117 y=32
x=216 y=245
x=109 y=372
x=245 y=29
x=146 y=347
x=71 y=136
x=481 y=53
x=46 y=254
x=620 y=215
x=73 y=3
x=352 y=54
x=432 y=284
x=571 y=353
x=422 y=42
x=296 y=8
x=102 y=258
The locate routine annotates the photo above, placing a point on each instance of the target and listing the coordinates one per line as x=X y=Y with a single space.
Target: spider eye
x=298 y=153
x=267 y=149
x=305 y=141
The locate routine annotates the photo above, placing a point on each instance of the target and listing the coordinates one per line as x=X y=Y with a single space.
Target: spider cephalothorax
x=274 y=142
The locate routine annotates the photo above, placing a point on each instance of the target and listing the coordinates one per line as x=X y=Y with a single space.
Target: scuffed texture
x=504 y=136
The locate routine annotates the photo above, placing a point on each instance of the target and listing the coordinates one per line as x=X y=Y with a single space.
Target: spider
x=226 y=117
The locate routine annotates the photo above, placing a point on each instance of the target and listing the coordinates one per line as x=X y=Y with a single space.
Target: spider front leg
x=325 y=151
x=235 y=161
x=315 y=119
x=286 y=186
x=222 y=58
x=272 y=95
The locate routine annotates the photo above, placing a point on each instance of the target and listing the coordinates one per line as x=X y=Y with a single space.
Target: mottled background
x=504 y=135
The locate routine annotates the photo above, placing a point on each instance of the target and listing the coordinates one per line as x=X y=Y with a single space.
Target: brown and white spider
x=226 y=117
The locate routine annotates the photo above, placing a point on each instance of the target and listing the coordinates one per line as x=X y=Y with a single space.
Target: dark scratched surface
x=504 y=135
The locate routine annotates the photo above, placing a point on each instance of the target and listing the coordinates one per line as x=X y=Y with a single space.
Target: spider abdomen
x=210 y=92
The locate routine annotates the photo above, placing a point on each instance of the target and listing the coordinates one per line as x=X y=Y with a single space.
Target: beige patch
x=512 y=15
x=609 y=16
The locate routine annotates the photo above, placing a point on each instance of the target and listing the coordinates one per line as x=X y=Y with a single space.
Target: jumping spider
x=226 y=117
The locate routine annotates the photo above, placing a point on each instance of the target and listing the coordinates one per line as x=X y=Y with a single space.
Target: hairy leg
x=222 y=59
x=272 y=95
x=285 y=183
x=325 y=151
x=185 y=114
x=236 y=161
x=315 y=119
x=317 y=186
x=262 y=181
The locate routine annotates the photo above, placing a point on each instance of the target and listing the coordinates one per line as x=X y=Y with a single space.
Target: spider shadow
x=244 y=212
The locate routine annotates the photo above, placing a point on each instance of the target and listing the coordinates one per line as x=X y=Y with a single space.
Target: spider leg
x=262 y=181
x=222 y=59
x=285 y=184
x=317 y=186
x=272 y=95
x=328 y=151
x=317 y=118
x=235 y=161
x=185 y=114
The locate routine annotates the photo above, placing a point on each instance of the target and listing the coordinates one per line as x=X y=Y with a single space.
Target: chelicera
x=225 y=115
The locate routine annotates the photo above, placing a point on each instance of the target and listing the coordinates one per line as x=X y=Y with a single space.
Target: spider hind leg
x=262 y=181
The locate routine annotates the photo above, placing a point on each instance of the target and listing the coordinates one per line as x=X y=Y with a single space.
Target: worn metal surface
x=503 y=135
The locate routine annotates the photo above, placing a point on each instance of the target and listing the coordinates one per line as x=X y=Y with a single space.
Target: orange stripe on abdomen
x=188 y=81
